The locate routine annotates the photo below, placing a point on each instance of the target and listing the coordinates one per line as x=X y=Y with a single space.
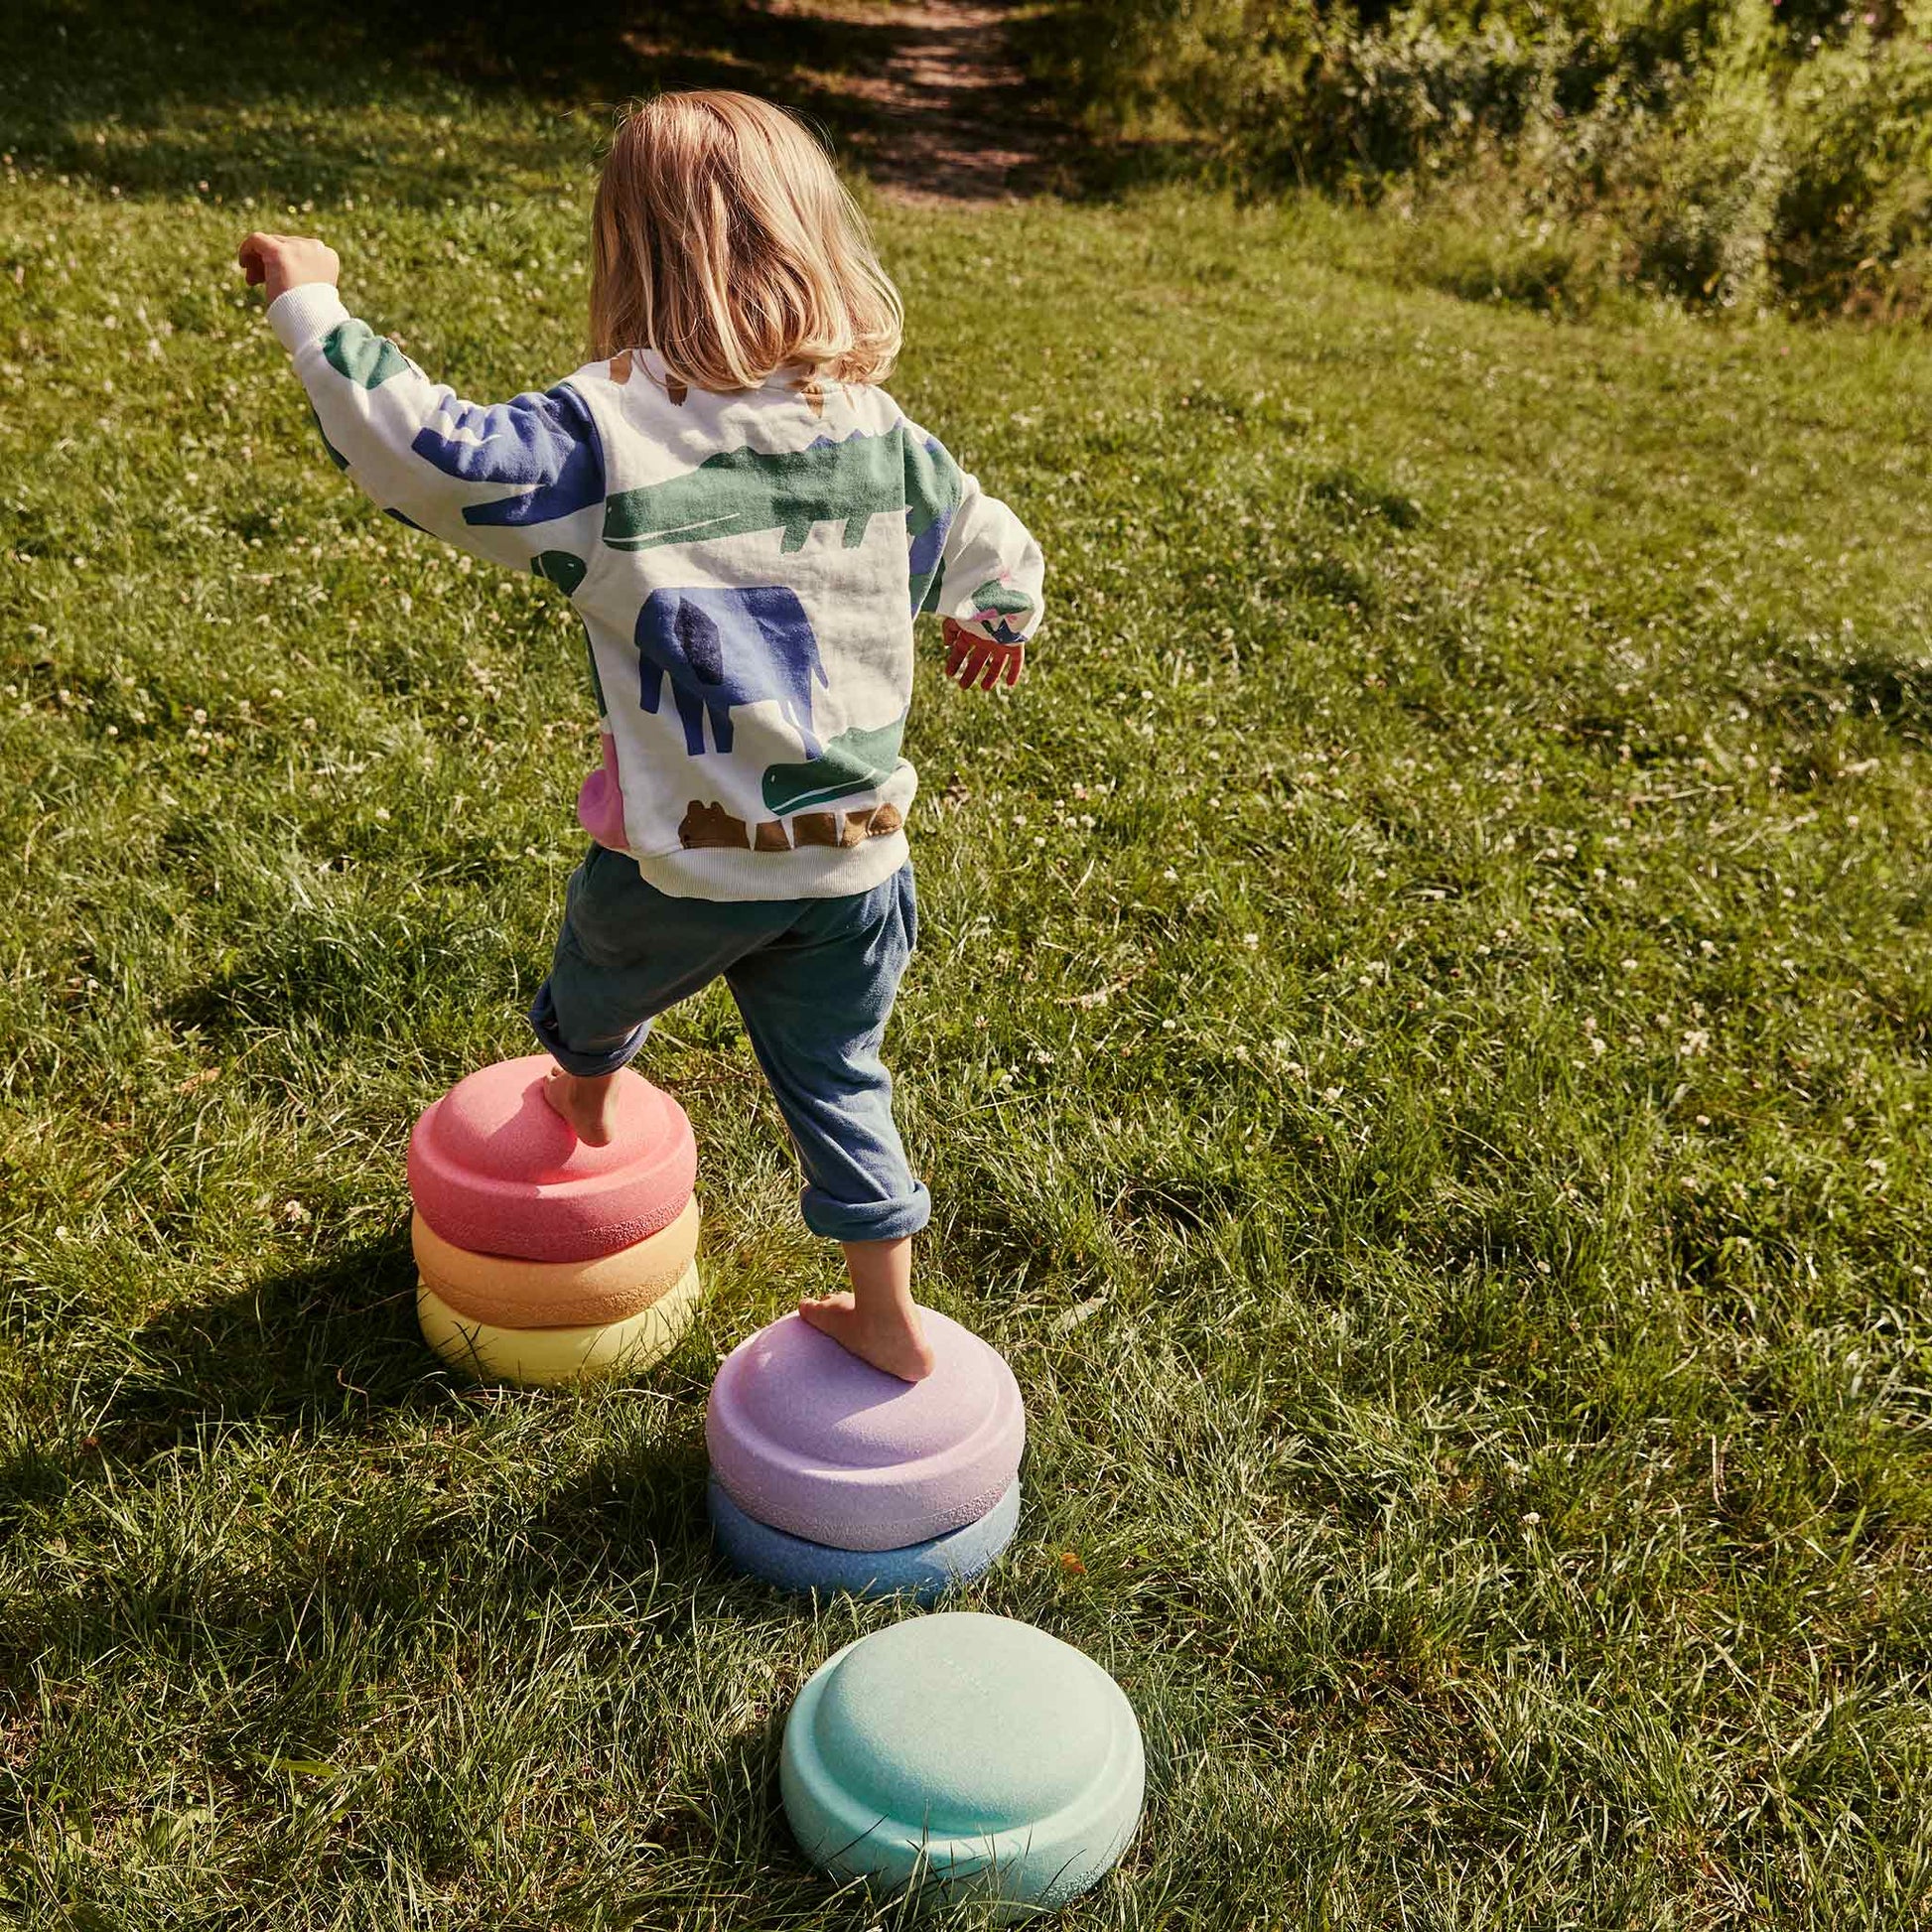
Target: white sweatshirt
x=747 y=568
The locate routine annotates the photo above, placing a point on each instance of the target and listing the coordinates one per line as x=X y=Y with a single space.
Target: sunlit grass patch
x=1418 y=1049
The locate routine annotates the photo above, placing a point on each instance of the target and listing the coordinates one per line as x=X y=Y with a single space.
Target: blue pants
x=813 y=978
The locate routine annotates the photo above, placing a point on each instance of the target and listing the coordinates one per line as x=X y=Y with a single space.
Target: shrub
x=1722 y=152
x=1854 y=217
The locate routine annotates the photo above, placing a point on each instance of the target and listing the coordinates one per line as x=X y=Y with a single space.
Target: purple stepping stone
x=812 y=1441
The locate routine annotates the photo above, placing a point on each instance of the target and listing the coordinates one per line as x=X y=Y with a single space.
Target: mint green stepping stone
x=974 y=1756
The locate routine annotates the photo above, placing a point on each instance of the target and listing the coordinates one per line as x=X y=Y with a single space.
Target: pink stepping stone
x=494 y=1169
x=810 y=1439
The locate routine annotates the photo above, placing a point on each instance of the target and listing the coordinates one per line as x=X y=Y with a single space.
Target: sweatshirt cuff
x=300 y=315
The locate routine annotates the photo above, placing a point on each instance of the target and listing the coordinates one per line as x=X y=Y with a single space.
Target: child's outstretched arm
x=987 y=577
x=520 y=483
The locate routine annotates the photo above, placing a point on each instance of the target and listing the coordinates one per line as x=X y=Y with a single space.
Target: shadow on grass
x=330 y=1351
x=333 y=1337
x=1891 y=688
x=377 y=981
x=261 y=99
x=640 y=1510
x=323 y=1346
x=186 y=96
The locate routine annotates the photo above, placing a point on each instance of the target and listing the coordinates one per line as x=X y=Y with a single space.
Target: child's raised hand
x=279 y=262
x=971 y=659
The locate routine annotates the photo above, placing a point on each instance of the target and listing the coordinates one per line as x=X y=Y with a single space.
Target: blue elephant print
x=721 y=648
x=546 y=445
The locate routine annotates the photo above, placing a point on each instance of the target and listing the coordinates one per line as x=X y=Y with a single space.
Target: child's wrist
x=300 y=282
x=307 y=310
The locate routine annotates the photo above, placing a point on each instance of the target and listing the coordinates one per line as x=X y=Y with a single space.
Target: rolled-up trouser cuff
x=588 y=1066
x=871 y=1221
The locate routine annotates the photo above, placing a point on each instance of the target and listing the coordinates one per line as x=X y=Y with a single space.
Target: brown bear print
x=815 y=828
x=872 y=822
x=770 y=836
x=710 y=825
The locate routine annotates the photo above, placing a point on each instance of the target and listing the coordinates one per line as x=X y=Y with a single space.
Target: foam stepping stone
x=494 y=1169
x=922 y=1571
x=548 y=1357
x=973 y=1753
x=510 y=1294
x=810 y=1439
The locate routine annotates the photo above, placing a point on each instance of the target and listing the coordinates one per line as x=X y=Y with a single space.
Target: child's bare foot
x=887 y=1338
x=589 y=1107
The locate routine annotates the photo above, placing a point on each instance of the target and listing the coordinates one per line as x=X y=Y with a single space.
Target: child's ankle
x=585 y=1103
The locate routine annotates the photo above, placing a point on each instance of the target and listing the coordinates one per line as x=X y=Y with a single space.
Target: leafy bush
x=1853 y=223
x=1723 y=152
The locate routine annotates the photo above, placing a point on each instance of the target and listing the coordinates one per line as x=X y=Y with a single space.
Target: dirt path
x=957 y=121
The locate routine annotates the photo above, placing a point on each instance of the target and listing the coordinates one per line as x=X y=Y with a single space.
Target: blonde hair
x=721 y=238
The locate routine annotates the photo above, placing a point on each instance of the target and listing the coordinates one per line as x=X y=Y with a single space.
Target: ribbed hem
x=807 y=871
x=300 y=315
x=877 y=1220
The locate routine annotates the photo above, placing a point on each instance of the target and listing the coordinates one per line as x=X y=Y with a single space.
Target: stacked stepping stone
x=541 y=1260
x=972 y=1755
x=829 y=1474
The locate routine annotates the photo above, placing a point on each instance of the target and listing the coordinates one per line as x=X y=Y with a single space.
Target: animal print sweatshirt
x=747 y=568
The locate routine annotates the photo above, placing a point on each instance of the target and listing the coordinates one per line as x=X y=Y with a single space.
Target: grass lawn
x=1418 y=1049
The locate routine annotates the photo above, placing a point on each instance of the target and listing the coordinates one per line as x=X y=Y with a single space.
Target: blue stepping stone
x=974 y=1756
x=922 y=1571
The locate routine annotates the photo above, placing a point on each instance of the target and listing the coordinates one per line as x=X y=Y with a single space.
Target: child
x=747 y=524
